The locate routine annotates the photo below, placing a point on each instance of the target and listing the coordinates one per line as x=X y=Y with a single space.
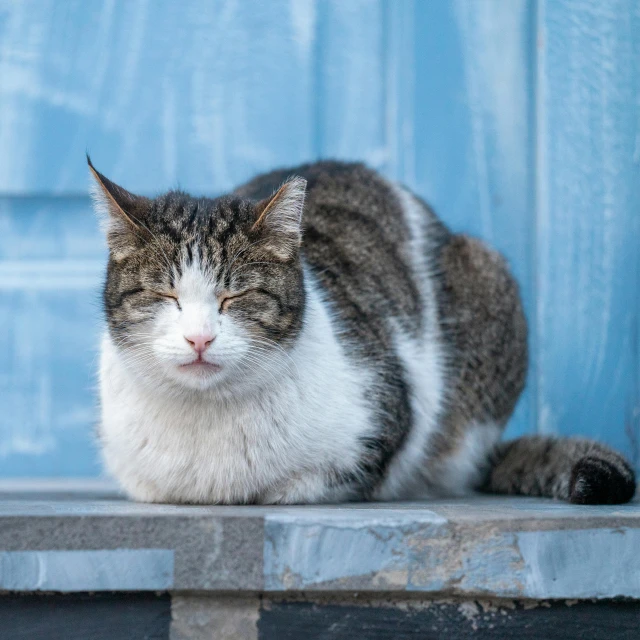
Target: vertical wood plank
x=350 y=76
x=588 y=224
x=364 y=90
x=51 y=267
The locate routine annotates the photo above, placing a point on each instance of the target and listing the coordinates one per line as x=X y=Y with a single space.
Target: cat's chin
x=190 y=377
x=199 y=375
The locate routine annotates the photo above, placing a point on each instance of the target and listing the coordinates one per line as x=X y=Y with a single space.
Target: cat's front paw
x=299 y=490
x=142 y=492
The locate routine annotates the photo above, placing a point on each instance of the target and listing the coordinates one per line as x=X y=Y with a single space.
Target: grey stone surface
x=480 y=546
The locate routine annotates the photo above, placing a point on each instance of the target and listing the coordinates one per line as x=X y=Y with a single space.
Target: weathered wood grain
x=51 y=267
x=203 y=93
x=588 y=204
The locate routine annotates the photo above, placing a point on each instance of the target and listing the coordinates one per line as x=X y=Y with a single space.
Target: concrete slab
x=64 y=538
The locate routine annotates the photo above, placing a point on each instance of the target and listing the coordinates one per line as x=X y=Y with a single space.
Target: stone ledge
x=69 y=539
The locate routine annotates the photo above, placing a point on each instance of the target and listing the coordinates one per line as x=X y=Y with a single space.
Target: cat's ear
x=122 y=214
x=280 y=216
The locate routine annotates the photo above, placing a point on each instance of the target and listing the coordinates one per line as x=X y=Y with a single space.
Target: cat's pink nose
x=200 y=343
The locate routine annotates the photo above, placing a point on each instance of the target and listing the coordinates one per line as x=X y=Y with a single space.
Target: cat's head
x=202 y=293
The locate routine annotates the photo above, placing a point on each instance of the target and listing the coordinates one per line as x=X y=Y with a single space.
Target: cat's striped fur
x=361 y=351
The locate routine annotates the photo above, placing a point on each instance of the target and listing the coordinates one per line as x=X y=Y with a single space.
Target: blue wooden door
x=517 y=119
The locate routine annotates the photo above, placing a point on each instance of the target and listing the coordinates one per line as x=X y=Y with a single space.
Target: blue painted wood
x=351 y=81
x=51 y=266
x=588 y=200
x=516 y=119
x=201 y=93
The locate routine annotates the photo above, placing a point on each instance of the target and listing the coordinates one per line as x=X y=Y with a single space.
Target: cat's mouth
x=201 y=365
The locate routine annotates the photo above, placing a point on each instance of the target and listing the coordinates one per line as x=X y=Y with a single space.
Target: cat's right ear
x=122 y=214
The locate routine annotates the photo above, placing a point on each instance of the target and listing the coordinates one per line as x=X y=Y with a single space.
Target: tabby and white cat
x=317 y=338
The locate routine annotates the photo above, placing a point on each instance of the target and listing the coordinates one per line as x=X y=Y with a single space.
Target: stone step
x=402 y=568
x=71 y=539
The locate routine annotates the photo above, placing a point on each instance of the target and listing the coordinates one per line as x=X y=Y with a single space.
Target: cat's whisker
x=274 y=355
x=257 y=362
x=267 y=342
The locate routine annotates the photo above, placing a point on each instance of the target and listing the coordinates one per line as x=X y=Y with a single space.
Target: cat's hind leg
x=484 y=332
x=485 y=329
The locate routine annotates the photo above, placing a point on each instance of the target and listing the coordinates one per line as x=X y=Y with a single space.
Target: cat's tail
x=574 y=469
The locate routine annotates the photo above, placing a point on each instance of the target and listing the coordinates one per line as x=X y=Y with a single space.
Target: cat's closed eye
x=167 y=295
x=227 y=299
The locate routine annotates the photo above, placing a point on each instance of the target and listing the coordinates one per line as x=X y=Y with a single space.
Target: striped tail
x=574 y=469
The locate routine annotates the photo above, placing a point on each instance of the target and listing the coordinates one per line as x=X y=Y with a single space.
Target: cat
x=318 y=335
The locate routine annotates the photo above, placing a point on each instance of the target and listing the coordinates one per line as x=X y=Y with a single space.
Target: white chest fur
x=201 y=448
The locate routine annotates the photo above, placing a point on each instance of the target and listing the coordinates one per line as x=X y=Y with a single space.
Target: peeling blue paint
x=105 y=570
x=592 y=563
x=422 y=552
x=309 y=549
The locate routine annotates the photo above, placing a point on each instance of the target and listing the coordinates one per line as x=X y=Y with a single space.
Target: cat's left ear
x=280 y=216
